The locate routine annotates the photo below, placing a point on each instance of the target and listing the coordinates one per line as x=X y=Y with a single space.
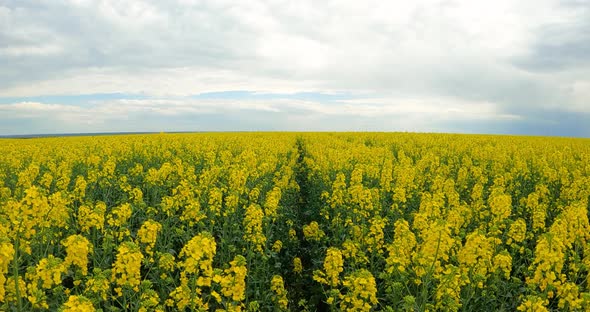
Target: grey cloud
x=548 y=123
x=561 y=45
x=550 y=55
x=104 y=34
x=504 y=54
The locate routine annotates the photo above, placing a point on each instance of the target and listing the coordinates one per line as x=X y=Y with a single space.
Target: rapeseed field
x=295 y=222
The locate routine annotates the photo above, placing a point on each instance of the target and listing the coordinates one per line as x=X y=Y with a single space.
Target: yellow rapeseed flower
x=280 y=293
x=533 y=304
x=333 y=266
x=78 y=304
x=233 y=280
x=297 y=266
x=126 y=269
x=147 y=235
x=253 y=227
x=78 y=249
x=313 y=232
x=361 y=294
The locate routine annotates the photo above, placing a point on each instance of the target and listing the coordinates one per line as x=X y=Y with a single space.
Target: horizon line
x=117 y=133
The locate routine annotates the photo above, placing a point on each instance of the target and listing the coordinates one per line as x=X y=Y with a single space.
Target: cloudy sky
x=504 y=66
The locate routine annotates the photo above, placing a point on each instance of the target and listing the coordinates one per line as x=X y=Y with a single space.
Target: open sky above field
x=517 y=67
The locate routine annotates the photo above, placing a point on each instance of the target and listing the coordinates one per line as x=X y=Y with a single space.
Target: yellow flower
x=216 y=295
x=79 y=191
x=503 y=262
x=333 y=266
x=353 y=251
x=271 y=203
x=49 y=271
x=197 y=272
x=292 y=234
x=10 y=287
x=297 y=266
x=136 y=195
x=78 y=304
x=253 y=195
x=361 y=294
x=448 y=292
x=166 y=262
x=277 y=246
x=215 y=200
x=400 y=251
x=149 y=301
x=533 y=304
x=89 y=217
x=233 y=280
x=120 y=215
x=548 y=262
x=147 y=235
x=313 y=232
x=253 y=227
x=192 y=212
x=517 y=231
x=136 y=171
x=434 y=250
x=280 y=293
x=126 y=269
x=6 y=256
x=476 y=256
x=535 y=203
x=500 y=205
x=28 y=176
x=99 y=283
x=118 y=219
x=199 y=253
x=375 y=238
x=569 y=296
x=77 y=250
x=231 y=204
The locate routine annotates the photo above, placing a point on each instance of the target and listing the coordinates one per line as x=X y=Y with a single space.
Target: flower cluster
x=280 y=294
x=313 y=232
x=78 y=304
x=253 y=227
x=147 y=235
x=92 y=216
x=6 y=255
x=78 y=248
x=126 y=268
x=233 y=280
x=333 y=266
x=361 y=292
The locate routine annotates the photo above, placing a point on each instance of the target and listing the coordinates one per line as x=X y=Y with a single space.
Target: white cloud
x=17 y=51
x=101 y=111
x=581 y=95
x=435 y=108
x=180 y=81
